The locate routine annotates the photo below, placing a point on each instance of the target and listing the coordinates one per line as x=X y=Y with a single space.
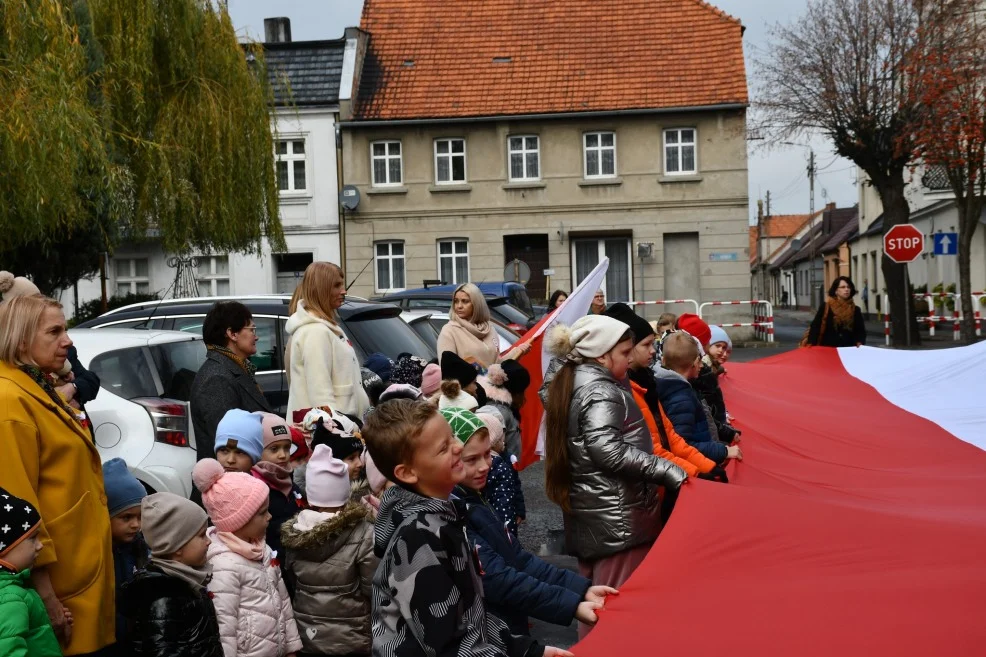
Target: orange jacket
x=679 y=451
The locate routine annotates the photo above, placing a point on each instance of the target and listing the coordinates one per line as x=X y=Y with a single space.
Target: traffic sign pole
x=903 y=244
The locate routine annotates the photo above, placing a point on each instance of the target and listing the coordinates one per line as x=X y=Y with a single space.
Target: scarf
x=244 y=364
x=273 y=475
x=843 y=312
x=249 y=551
x=42 y=380
x=196 y=577
x=481 y=333
x=308 y=519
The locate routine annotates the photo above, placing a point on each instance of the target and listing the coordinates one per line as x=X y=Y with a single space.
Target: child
x=457 y=369
x=426 y=560
x=431 y=379
x=662 y=326
x=668 y=444
x=516 y=584
x=453 y=396
x=505 y=385
x=377 y=484
x=599 y=461
x=682 y=404
x=330 y=562
x=272 y=469
x=239 y=440
x=345 y=438
x=24 y=628
x=167 y=604
x=252 y=604
x=503 y=490
x=706 y=382
x=123 y=497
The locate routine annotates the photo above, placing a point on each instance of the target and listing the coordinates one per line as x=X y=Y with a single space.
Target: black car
x=370 y=326
x=429 y=299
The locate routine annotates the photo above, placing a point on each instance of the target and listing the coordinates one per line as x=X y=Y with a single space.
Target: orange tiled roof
x=784 y=225
x=460 y=58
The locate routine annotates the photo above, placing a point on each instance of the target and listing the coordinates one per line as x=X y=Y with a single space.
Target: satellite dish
x=349 y=197
x=517 y=271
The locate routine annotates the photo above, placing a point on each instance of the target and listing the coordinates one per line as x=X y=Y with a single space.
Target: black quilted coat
x=169 y=618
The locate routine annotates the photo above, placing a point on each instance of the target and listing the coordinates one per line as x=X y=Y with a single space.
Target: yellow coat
x=49 y=459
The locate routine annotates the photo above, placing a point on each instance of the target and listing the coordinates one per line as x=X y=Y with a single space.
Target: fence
x=932 y=319
x=664 y=302
x=763 y=317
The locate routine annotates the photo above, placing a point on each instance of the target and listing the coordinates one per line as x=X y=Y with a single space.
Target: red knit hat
x=696 y=327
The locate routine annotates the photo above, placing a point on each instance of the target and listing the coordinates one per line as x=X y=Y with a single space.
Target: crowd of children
x=397 y=533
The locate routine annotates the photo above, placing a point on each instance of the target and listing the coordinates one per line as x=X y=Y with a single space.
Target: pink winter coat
x=252 y=604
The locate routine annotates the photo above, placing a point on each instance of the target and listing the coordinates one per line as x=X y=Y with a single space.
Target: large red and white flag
x=537 y=359
x=855 y=525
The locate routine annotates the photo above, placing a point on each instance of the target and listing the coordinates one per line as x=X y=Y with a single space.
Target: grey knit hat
x=169 y=521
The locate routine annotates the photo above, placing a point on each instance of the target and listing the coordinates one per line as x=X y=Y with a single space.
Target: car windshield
x=520 y=300
x=168 y=372
x=390 y=336
x=427 y=330
x=507 y=314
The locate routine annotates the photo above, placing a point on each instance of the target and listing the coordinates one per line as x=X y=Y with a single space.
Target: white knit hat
x=591 y=336
x=326 y=479
x=453 y=396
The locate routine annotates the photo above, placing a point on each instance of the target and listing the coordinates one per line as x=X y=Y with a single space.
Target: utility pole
x=811 y=222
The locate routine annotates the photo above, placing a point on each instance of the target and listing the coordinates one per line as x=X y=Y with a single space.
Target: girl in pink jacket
x=252 y=604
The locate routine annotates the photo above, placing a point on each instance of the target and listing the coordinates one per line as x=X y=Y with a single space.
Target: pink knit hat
x=374 y=477
x=231 y=498
x=431 y=379
x=495 y=427
x=276 y=429
x=327 y=479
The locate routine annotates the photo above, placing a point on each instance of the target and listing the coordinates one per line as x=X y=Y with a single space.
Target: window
x=525 y=158
x=600 y=154
x=453 y=261
x=386 y=160
x=588 y=252
x=132 y=276
x=679 y=151
x=291 y=173
x=389 y=258
x=212 y=276
x=450 y=161
x=289 y=270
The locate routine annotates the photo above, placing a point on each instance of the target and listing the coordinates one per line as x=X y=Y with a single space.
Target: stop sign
x=903 y=243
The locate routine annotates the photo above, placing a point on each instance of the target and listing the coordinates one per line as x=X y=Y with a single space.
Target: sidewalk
x=874 y=329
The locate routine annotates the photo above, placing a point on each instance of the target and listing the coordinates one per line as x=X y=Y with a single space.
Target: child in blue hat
x=239 y=440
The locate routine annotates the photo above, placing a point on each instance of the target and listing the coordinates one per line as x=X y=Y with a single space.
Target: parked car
x=440 y=298
x=370 y=327
x=141 y=413
x=429 y=323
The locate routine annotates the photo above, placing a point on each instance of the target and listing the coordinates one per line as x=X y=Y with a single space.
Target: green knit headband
x=464 y=423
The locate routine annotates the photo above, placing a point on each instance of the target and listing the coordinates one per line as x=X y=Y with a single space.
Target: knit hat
x=369 y=378
x=123 y=491
x=641 y=327
x=510 y=375
x=314 y=416
x=380 y=365
x=340 y=433
x=16 y=286
x=464 y=423
x=495 y=425
x=275 y=429
x=327 y=479
x=18 y=518
x=169 y=521
x=431 y=379
x=241 y=430
x=696 y=327
x=401 y=391
x=453 y=367
x=408 y=369
x=453 y=396
x=589 y=337
x=299 y=448
x=374 y=477
x=718 y=334
x=231 y=498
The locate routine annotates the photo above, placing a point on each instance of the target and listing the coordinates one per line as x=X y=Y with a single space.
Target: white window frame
x=599 y=148
x=133 y=280
x=205 y=271
x=291 y=158
x=524 y=151
x=601 y=245
x=453 y=256
x=386 y=157
x=679 y=146
x=450 y=156
x=391 y=259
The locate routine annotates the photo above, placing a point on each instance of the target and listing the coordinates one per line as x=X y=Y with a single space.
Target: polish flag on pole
x=536 y=361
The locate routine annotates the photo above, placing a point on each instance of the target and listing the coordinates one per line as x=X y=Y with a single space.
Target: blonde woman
x=469 y=332
x=322 y=365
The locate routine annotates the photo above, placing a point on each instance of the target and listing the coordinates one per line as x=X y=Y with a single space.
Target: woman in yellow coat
x=50 y=460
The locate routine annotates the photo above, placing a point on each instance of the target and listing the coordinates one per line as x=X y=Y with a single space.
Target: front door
x=533 y=250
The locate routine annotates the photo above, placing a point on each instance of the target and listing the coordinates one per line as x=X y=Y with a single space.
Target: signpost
x=946 y=244
x=903 y=244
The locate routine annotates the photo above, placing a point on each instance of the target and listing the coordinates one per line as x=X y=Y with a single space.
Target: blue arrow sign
x=946 y=243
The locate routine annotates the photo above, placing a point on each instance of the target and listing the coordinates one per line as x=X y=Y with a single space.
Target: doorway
x=681 y=268
x=533 y=250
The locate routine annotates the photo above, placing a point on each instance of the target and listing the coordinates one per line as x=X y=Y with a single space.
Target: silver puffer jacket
x=615 y=475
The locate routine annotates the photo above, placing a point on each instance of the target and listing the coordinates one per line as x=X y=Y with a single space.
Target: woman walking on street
x=839 y=322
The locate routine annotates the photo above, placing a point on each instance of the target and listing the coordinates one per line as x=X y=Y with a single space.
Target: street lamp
x=811 y=214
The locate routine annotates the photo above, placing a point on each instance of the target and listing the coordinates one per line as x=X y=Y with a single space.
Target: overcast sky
x=783 y=171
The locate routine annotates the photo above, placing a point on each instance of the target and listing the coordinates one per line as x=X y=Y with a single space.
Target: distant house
x=770 y=234
x=500 y=133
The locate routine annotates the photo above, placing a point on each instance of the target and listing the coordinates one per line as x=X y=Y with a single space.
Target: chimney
x=277 y=30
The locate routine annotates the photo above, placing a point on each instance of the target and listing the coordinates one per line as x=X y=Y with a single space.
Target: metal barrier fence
x=932 y=319
x=763 y=316
x=664 y=302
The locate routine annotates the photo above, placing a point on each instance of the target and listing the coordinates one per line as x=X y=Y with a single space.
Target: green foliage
x=93 y=309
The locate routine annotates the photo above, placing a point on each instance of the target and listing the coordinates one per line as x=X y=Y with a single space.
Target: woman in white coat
x=322 y=366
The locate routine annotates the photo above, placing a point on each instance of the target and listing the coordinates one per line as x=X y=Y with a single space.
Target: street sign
x=903 y=243
x=946 y=243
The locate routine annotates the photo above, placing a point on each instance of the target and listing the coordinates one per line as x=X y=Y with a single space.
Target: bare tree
x=839 y=71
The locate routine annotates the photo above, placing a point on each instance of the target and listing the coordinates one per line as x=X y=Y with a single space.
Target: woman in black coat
x=839 y=322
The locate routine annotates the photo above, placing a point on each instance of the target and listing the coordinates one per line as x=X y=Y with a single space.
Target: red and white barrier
x=664 y=302
x=932 y=319
x=763 y=316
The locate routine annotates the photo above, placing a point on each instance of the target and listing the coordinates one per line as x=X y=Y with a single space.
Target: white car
x=428 y=324
x=141 y=413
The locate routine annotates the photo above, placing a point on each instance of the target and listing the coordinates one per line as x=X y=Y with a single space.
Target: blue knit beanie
x=380 y=365
x=242 y=430
x=123 y=491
